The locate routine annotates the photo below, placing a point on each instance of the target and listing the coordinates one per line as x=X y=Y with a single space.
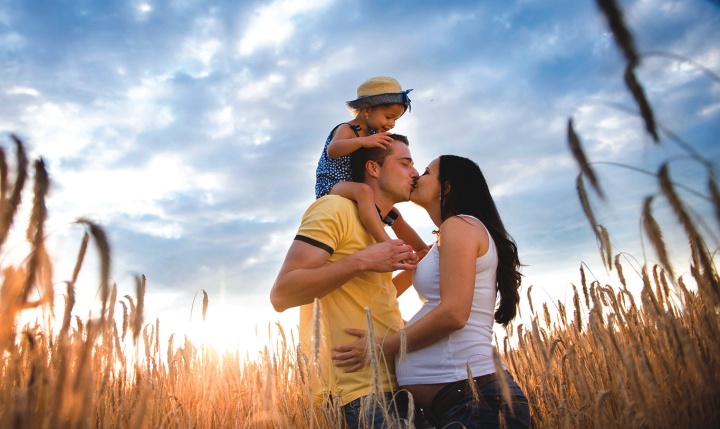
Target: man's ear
x=372 y=168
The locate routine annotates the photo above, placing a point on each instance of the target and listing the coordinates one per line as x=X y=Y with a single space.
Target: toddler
x=380 y=102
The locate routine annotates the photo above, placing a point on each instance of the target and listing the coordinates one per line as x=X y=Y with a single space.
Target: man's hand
x=305 y=275
x=353 y=355
x=388 y=256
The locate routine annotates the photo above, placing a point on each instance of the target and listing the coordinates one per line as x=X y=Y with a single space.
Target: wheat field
x=614 y=360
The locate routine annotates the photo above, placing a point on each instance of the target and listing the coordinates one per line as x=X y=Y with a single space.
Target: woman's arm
x=461 y=242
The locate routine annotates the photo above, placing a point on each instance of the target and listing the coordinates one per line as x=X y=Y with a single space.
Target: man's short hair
x=360 y=157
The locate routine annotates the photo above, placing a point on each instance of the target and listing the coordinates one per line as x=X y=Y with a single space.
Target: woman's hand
x=421 y=254
x=353 y=355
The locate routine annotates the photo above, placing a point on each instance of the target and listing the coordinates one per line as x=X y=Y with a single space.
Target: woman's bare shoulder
x=464 y=229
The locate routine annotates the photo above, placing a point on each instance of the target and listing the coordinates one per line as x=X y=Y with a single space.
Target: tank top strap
x=355 y=128
x=467 y=215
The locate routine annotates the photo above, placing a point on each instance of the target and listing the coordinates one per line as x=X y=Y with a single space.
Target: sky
x=190 y=131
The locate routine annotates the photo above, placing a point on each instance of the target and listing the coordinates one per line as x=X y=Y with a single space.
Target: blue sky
x=190 y=129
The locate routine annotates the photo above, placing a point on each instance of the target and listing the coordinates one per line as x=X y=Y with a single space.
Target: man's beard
x=395 y=192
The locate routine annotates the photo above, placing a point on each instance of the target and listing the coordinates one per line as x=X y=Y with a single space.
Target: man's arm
x=304 y=275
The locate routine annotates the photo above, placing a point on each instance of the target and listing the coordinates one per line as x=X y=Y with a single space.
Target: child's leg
x=362 y=194
x=406 y=233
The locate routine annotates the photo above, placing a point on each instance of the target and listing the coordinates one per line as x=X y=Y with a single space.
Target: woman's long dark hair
x=469 y=194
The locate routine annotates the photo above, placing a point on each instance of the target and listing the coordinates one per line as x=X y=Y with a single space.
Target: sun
x=236 y=328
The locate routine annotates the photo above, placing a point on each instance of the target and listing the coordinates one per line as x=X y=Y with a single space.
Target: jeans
x=487 y=412
x=372 y=412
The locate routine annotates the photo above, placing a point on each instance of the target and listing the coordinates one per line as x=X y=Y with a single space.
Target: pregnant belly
x=423 y=394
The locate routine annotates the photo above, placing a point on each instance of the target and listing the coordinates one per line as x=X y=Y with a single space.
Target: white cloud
x=710 y=110
x=157 y=228
x=260 y=138
x=710 y=59
x=277 y=244
x=148 y=89
x=310 y=75
x=604 y=131
x=547 y=43
x=452 y=20
x=202 y=46
x=648 y=10
x=141 y=10
x=95 y=191
x=58 y=129
x=222 y=119
x=12 y=41
x=519 y=175
x=202 y=50
x=226 y=121
x=310 y=78
x=503 y=20
x=23 y=90
x=273 y=24
x=260 y=89
x=64 y=129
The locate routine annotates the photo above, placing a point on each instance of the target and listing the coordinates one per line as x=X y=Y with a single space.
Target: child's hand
x=381 y=140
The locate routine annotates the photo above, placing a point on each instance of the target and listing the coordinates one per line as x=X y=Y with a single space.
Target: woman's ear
x=446 y=188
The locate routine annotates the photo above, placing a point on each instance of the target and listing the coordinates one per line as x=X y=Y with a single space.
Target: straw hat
x=379 y=90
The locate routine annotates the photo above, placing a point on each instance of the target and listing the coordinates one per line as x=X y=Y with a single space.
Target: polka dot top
x=330 y=171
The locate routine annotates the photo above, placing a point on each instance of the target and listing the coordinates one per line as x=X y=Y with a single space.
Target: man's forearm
x=305 y=275
x=300 y=286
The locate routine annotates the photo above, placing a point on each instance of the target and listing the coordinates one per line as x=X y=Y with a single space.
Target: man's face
x=397 y=175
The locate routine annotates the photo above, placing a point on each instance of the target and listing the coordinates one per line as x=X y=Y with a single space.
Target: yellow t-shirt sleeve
x=324 y=224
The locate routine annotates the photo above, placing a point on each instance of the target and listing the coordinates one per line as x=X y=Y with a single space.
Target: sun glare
x=232 y=328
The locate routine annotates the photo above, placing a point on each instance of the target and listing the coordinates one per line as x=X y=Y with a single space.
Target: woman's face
x=427 y=188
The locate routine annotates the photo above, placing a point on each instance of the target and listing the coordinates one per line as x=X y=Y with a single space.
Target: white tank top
x=446 y=360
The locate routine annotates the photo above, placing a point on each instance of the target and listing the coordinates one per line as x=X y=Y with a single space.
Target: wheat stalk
x=653 y=232
x=643 y=104
x=579 y=155
x=103 y=248
x=715 y=196
x=10 y=205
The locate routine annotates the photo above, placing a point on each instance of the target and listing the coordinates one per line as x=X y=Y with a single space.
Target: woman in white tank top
x=473 y=261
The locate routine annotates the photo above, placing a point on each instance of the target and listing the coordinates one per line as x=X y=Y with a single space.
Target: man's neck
x=383 y=204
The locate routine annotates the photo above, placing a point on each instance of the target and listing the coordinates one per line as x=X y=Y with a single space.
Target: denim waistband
x=454 y=393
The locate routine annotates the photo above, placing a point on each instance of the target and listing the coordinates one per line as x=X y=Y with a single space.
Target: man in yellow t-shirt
x=334 y=258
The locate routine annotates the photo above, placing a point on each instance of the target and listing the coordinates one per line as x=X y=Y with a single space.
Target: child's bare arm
x=406 y=233
x=362 y=194
x=404 y=279
x=402 y=282
x=345 y=141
